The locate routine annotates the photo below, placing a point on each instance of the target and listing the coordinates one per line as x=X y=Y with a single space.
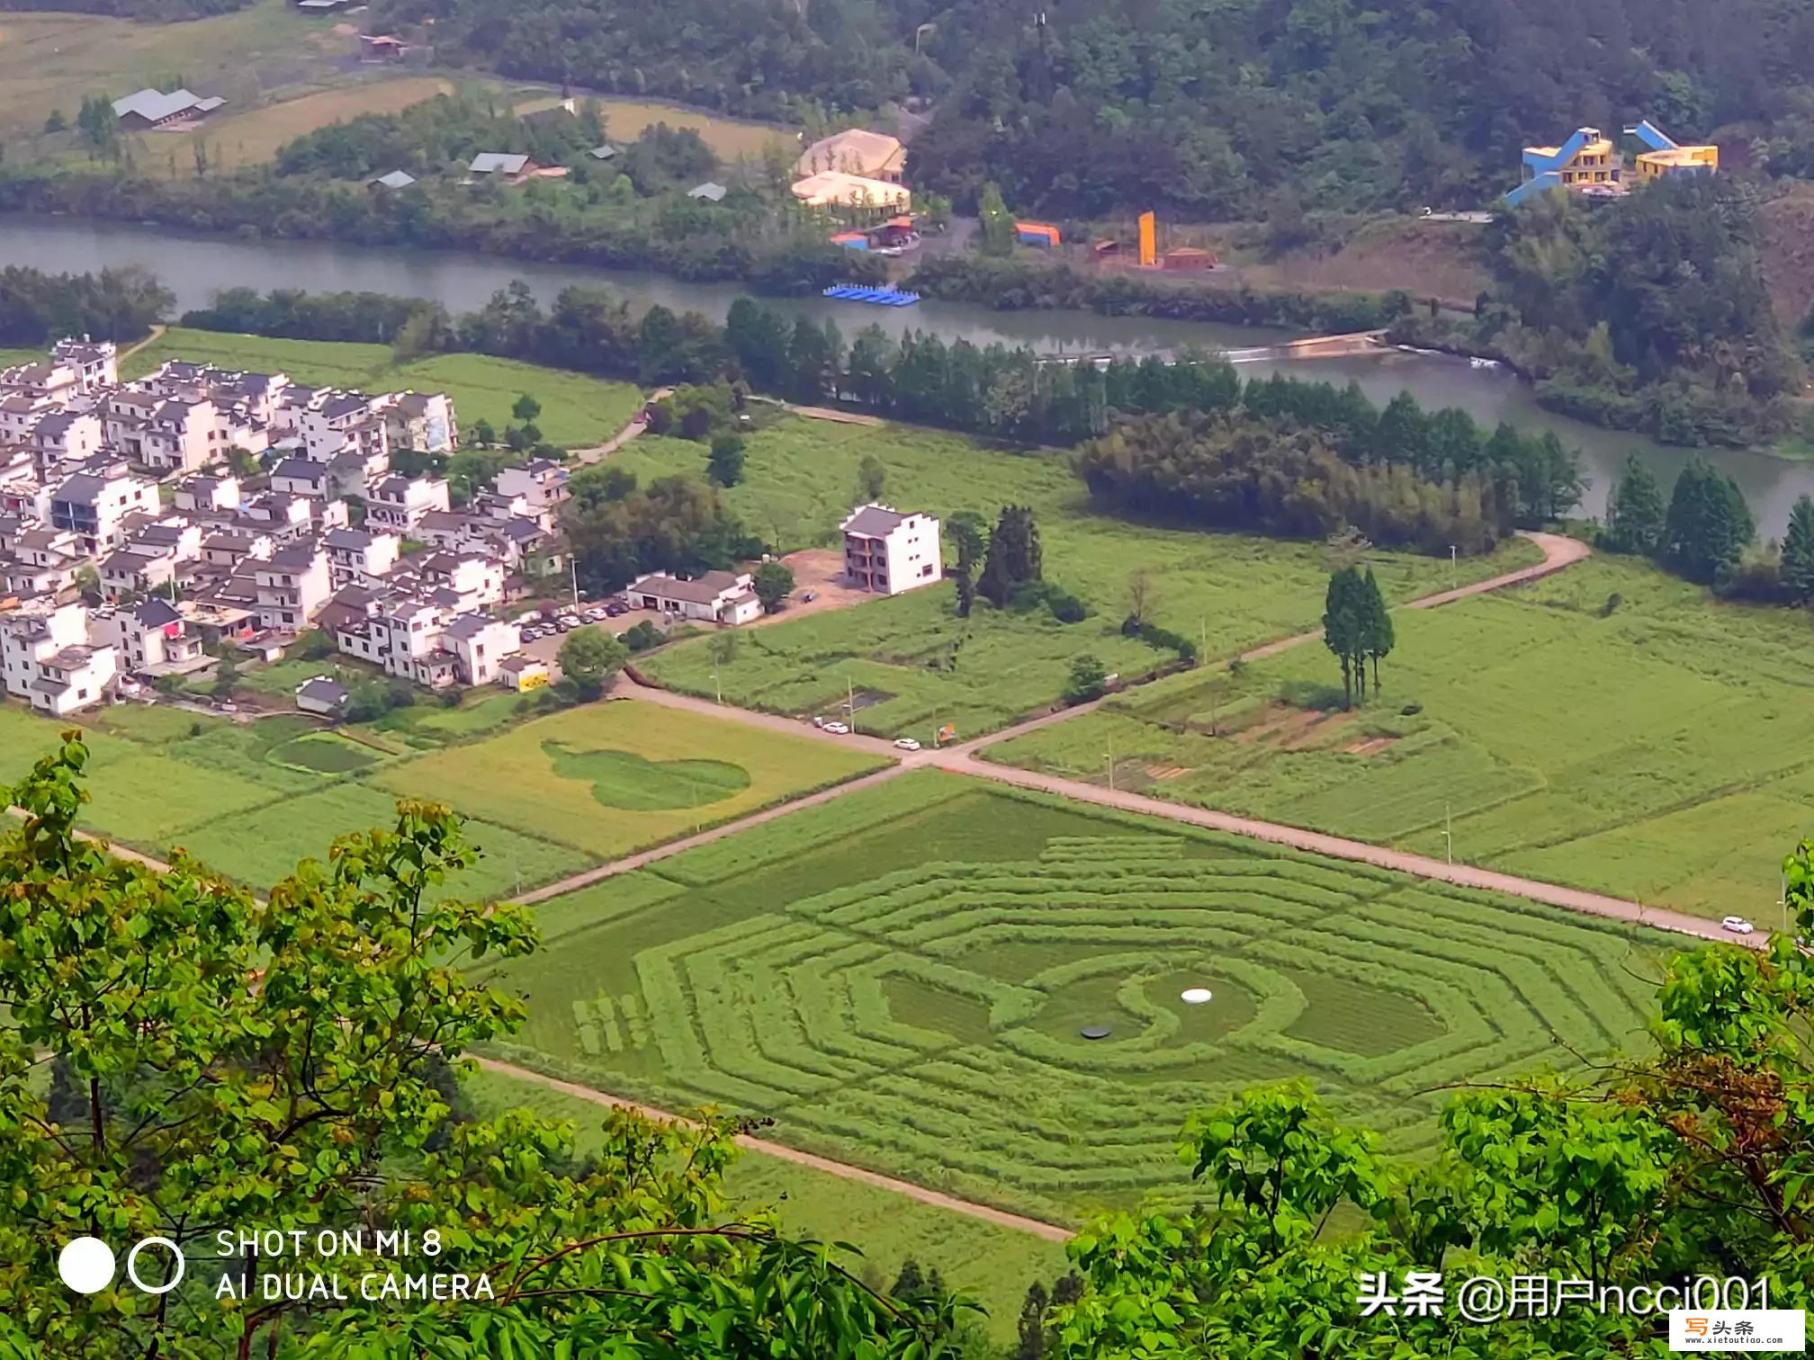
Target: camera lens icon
x=86 y=1265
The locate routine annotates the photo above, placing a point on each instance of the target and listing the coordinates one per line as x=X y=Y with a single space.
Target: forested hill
x=1210 y=108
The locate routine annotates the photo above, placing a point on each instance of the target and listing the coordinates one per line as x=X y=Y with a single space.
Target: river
x=196 y=267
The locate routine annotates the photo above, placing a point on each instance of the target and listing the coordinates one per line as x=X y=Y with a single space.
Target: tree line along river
x=196 y=267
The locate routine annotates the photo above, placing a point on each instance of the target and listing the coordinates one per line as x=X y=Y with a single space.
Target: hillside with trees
x=1647 y=314
x=1083 y=107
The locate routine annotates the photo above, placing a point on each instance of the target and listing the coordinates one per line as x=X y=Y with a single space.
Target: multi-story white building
x=889 y=552
x=430 y=643
x=359 y=556
x=422 y=421
x=67 y=436
x=153 y=637
x=541 y=486
x=207 y=495
x=475 y=577
x=292 y=587
x=95 y=506
x=399 y=503
x=46 y=659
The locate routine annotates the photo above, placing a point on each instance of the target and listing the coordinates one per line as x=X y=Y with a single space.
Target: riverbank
x=195 y=266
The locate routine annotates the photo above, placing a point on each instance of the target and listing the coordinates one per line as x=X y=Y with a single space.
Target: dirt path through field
x=1001 y=1218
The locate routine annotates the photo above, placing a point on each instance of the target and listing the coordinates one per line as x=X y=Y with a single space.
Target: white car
x=596 y=615
x=906 y=744
x=1738 y=925
x=837 y=729
x=568 y=623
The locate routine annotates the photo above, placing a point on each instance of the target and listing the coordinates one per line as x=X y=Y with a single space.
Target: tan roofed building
x=856 y=151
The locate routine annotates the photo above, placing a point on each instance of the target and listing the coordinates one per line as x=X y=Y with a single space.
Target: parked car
x=838 y=729
x=1738 y=925
x=906 y=744
x=616 y=609
x=568 y=623
x=597 y=614
x=818 y=721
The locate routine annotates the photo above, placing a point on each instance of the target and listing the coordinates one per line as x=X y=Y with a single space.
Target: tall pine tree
x=1344 y=627
x=1708 y=525
x=1798 y=552
x=1377 y=633
x=1635 y=512
x=1014 y=556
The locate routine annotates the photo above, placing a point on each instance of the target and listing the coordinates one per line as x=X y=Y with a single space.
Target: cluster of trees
x=1087 y=109
x=1649 y=314
x=1705 y=532
x=116 y=304
x=1237 y=470
x=618 y=530
x=203 y=1072
x=134 y=9
x=1021 y=283
x=594 y=217
x=1357 y=628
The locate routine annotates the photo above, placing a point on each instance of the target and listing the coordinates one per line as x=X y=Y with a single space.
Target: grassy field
x=1657 y=750
x=252 y=136
x=50 y=61
x=607 y=779
x=992 y=1265
x=576 y=409
x=899 y=978
x=545 y=799
x=913 y=662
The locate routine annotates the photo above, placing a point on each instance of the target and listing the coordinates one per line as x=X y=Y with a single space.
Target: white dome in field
x=1194 y=996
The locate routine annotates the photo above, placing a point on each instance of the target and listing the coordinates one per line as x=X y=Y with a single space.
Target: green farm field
x=899 y=978
x=545 y=798
x=607 y=779
x=913 y=663
x=576 y=409
x=992 y=1265
x=1609 y=727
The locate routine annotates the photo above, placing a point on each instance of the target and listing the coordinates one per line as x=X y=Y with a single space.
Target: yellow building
x=1679 y=160
x=855 y=151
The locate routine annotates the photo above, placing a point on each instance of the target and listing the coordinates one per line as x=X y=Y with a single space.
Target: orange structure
x=1188 y=258
x=1036 y=234
x=1149 y=240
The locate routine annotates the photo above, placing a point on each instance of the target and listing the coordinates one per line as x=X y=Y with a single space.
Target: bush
x=1064 y=606
x=641 y=636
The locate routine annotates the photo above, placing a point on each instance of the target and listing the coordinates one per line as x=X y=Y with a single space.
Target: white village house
x=890 y=552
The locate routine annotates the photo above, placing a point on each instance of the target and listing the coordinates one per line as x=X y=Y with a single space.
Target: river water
x=196 y=267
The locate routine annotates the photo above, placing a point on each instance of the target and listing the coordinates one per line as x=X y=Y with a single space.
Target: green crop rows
x=921 y=1013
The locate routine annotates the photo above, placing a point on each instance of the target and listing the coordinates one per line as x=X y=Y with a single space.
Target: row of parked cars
x=547 y=622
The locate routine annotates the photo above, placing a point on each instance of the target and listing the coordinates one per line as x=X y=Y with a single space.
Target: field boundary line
x=1001 y=1218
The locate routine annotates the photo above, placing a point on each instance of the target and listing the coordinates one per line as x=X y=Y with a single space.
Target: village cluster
x=208 y=509
x=149 y=527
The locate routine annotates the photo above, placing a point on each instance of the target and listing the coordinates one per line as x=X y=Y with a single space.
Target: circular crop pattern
x=932 y=1021
x=623 y=779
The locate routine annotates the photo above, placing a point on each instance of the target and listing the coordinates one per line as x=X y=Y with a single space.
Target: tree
x=1089 y=679
x=214 y=1059
x=773 y=582
x=56 y=122
x=590 y=657
x=1140 y=594
x=1377 y=633
x=525 y=409
x=226 y=676
x=1344 y=627
x=997 y=222
x=87 y=580
x=1014 y=556
x=1798 y=551
x=970 y=532
x=99 y=127
x=1708 y=525
x=483 y=433
x=725 y=462
x=722 y=647
x=1635 y=512
x=872 y=477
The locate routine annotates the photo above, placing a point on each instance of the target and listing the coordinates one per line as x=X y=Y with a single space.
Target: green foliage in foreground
x=220 y=1062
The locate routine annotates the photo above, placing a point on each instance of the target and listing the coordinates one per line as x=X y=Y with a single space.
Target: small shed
x=1188 y=259
x=396 y=179
x=322 y=695
x=709 y=192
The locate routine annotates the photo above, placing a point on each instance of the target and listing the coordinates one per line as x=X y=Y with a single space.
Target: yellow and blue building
x=1590 y=164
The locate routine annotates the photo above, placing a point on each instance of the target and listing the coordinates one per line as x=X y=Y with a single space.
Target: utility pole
x=573 y=566
x=850 y=703
x=1111 y=759
x=1448 y=834
x=1454 y=571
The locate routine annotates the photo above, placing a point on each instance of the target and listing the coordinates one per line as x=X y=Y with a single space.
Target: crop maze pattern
x=793 y=1013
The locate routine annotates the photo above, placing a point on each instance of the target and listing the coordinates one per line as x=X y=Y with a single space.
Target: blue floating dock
x=880 y=297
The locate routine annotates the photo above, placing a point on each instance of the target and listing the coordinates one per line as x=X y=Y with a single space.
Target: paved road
x=597 y=453
x=843 y=1170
